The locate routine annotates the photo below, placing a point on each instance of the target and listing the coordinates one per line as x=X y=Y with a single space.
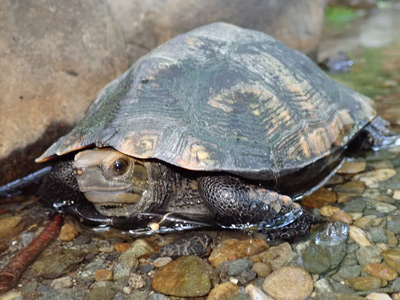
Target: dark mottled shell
x=223 y=98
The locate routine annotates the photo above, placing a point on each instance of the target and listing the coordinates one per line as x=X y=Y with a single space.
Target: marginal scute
x=223 y=98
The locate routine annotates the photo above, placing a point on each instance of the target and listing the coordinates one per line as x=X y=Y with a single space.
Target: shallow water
x=369 y=193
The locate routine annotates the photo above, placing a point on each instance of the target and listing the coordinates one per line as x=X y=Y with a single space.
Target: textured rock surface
x=52 y=66
x=185 y=277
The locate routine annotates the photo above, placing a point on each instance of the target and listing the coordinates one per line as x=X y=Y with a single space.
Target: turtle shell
x=223 y=98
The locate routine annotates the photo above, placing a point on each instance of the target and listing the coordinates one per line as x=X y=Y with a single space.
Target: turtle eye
x=120 y=166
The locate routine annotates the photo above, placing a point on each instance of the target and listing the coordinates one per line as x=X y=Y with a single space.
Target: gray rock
x=63 y=294
x=368 y=254
x=326 y=249
x=355 y=205
x=119 y=296
x=378 y=235
x=103 y=293
x=393 y=224
x=349 y=271
x=235 y=267
x=246 y=276
x=157 y=296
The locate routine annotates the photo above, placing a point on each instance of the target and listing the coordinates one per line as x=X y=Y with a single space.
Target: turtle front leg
x=233 y=201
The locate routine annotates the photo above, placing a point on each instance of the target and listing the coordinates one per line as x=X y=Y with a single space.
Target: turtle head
x=115 y=183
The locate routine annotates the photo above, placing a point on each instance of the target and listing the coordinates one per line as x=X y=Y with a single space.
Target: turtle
x=220 y=125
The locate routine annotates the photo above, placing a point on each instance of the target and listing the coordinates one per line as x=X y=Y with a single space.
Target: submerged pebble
x=289 y=283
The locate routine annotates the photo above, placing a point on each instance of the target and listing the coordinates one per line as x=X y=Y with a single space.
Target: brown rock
x=392 y=258
x=234 y=249
x=328 y=210
x=352 y=167
x=381 y=271
x=68 y=232
x=277 y=256
x=351 y=187
x=9 y=226
x=103 y=275
x=366 y=283
x=122 y=247
x=391 y=238
x=289 y=283
x=372 y=178
x=188 y=276
x=342 y=216
x=224 y=291
x=262 y=269
x=319 y=198
x=359 y=236
x=363 y=222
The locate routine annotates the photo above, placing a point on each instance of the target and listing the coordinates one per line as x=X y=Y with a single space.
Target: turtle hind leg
x=234 y=202
x=377 y=136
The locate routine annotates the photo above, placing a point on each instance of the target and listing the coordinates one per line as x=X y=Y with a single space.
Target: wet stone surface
x=354 y=255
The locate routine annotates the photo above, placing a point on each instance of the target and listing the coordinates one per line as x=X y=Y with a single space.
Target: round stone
x=289 y=283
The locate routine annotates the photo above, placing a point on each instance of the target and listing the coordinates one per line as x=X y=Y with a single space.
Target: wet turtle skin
x=223 y=104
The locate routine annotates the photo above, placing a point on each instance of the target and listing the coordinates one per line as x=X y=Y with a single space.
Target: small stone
x=62 y=282
x=130 y=257
x=276 y=257
x=224 y=291
x=136 y=281
x=58 y=264
x=246 y=276
x=262 y=269
x=381 y=271
x=162 y=261
x=396 y=195
x=351 y=187
x=356 y=205
x=378 y=235
x=328 y=210
x=255 y=293
x=372 y=178
x=194 y=245
x=289 y=283
x=11 y=295
x=392 y=258
x=234 y=267
x=121 y=247
x=366 y=283
x=232 y=249
x=349 y=271
x=368 y=254
x=342 y=216
x=391 y=238
x=378 y=296
x=384 y=207
x=319 y=198
x=359 y=236
x=9 y=226
x=326 y=249
x=156 y=296
x=103 y=275
x=352 y=167
x=68 y=232
x=363 y=222
x=99 y=292
x=393 y=224
x=188 y=276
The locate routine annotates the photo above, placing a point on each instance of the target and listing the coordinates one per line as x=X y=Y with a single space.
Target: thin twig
x=11 y=273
